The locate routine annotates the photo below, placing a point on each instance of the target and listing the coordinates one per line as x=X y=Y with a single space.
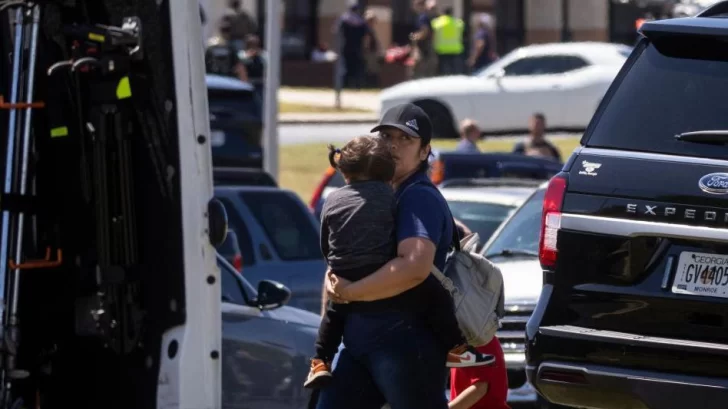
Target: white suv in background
x=514 y=248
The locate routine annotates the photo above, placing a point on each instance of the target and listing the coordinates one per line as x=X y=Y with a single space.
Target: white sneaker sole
x=470 y=364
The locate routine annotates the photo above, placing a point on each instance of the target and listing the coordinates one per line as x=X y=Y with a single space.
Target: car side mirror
x=217 y=222
x=271 y=295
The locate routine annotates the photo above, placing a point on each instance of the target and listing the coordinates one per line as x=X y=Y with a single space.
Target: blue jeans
x=388 y=358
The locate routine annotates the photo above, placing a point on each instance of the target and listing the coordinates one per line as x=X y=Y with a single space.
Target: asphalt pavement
x=312 y=133
x=295 y=134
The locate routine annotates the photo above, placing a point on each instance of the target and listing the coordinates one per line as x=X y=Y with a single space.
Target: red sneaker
x=464 y=356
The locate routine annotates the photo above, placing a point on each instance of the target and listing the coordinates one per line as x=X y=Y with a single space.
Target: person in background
x=483 y=53
x=242 y=24
x=484 y=387
x=469 y=137
x=448 y=42
x=537 y=144
x=350 y=30
x=254 y=63
x=372 y=51
x=425 y=61
x=222 y=57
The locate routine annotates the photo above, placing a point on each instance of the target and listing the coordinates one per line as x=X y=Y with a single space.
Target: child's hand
x=336 y=288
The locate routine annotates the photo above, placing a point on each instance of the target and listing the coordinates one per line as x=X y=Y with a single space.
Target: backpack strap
x=455 y=244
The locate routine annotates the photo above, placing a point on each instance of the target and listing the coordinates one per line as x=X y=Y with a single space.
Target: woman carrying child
x=381 y=234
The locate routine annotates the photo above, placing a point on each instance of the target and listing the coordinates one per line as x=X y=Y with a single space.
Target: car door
x=526 y=85
x=258 y=352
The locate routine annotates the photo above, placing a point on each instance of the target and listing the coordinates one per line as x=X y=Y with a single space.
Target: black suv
x=634 y=235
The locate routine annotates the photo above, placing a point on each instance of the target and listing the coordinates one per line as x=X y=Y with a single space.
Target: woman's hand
x=336 y=288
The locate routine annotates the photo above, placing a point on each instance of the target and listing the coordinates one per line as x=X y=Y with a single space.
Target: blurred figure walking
x=448 y=42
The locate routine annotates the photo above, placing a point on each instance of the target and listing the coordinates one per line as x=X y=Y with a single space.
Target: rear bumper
x=607 y=387
x=585 y=367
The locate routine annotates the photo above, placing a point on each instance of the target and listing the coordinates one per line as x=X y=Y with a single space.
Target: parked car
x=236 y=122
x=634 y=308
x=279 y=240
x=448 y=165
x=266 y=346
x=483 y=204
x=514 y=249
x=565 y=81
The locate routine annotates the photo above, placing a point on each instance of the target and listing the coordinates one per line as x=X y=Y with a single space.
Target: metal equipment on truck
x=107 y=265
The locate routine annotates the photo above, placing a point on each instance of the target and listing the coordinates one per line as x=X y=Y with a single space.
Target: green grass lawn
x=302 y=166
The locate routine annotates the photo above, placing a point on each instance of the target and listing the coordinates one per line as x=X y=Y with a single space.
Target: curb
x=332 y=121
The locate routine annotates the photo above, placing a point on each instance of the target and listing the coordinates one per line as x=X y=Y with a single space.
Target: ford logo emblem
x=715 y=183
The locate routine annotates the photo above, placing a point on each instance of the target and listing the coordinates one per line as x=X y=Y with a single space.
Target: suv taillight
x=551 y=221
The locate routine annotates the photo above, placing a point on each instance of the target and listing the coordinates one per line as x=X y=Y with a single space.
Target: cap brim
x=409 y=131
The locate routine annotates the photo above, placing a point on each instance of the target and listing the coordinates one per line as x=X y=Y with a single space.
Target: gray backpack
x=476 y=286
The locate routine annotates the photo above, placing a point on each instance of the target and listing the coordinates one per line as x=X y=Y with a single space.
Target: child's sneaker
x=464 y=356
x=319 y=376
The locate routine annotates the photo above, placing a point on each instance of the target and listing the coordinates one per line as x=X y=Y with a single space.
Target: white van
x=109 y=227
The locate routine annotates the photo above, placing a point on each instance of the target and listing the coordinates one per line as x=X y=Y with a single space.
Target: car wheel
x=442 y=120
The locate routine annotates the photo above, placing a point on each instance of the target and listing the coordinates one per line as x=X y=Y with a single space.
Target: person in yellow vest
x=448 y=42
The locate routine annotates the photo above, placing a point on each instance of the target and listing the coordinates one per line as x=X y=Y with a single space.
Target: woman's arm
x=470 y=396
x=411 y=267
x=419 y=227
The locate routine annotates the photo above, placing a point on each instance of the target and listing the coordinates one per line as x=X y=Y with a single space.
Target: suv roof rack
x=492 y=182
x=716 y=10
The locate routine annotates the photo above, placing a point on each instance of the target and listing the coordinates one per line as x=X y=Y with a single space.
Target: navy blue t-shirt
x=422 y=212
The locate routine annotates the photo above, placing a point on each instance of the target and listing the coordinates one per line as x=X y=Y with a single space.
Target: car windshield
x=236 y=288
x=287 y=224
x=481 y=218
x=520 y=234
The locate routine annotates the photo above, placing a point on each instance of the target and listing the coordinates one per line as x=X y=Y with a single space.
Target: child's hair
x=364 y=157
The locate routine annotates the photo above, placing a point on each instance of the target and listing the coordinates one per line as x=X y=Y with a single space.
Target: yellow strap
x=59 y=132
x=123 y=90
x=96 y=37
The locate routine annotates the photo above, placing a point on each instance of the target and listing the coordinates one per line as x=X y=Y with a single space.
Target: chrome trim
x=570 y=331
x=633 y=228
x=515 y=319
x=520 y=335
x=653 y=156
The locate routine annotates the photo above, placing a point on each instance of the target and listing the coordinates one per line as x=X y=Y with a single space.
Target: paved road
x=292 y=134
x=333 y=133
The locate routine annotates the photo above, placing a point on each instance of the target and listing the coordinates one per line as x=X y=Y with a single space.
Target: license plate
x=217 y=138
x=701 y=274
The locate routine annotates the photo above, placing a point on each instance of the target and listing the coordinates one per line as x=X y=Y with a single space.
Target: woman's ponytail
x=332 y=156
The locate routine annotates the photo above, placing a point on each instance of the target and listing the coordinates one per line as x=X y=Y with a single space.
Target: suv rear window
x=229 y=103
x=674 y=85
x=287 y=224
